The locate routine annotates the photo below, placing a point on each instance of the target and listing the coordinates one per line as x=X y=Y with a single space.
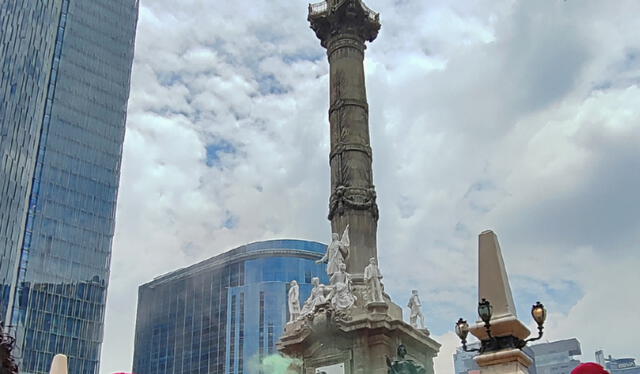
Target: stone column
x=343 y=27
x=357 y=339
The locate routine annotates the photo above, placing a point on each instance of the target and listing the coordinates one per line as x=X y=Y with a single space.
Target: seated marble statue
x=404 y=365
x=341 y=294
x=316 y=297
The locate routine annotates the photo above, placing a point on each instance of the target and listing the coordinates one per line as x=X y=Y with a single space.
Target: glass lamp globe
x=485 y=310
x=462 y=329
x=539 y=313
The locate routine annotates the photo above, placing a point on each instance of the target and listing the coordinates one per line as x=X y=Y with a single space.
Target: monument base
x=361 y=339
x=508 y=361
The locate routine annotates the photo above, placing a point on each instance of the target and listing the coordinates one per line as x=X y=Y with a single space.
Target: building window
x=232 y=337
x=241 y=336
x=271 y=336
x=261 y=330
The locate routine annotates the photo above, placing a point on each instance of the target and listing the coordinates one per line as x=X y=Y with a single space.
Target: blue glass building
x=66 y=67
x=225 y=314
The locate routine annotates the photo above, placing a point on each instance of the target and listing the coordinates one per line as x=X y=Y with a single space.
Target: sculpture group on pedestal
x=416 y=310
x=339 y=293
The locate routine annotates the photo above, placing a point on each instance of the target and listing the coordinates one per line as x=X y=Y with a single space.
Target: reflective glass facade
x=224 y=314
x=66 y=67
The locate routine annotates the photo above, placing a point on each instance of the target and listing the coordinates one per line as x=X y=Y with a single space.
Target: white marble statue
x=315 y=298
x=337 y=251
x=372 y=277
x=341 y=294
x=294 y=301
x=415 y=305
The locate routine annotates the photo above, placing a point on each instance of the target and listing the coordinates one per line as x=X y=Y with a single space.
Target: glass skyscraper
x=66 y=67
x=225 y=314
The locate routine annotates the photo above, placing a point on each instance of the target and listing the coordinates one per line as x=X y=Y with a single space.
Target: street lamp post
x=492 y=343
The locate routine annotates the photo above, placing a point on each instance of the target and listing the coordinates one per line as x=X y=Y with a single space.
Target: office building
x=617 y=365
x=463 y=362
x=66 y=68
x=556 y=357
x=225 y=314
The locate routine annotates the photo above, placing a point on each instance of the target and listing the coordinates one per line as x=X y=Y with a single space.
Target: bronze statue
x=404 y=365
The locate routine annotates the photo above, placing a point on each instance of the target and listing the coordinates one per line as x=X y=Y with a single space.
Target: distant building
x=463 y=362
x=618 y=365
x=224 y=314
x=556 y=357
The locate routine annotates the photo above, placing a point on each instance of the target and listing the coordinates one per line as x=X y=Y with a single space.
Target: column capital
x=330 y=18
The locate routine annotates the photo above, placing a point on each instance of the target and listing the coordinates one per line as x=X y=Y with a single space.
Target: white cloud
x=521 y=117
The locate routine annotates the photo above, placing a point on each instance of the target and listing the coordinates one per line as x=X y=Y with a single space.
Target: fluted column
x=343 y=26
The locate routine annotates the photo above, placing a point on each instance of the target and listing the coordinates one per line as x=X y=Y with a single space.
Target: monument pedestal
x=360 y=339
x=508 y=361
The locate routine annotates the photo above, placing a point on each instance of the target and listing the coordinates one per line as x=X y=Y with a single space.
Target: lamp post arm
x=464 y=347
x=487 y=326
x=540 y=333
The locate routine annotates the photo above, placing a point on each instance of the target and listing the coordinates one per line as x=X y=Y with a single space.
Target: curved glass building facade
x=225 y=314
x=66 y=67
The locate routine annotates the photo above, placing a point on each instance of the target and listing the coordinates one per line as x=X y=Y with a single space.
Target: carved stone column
x=343 y=26
x=355 y=340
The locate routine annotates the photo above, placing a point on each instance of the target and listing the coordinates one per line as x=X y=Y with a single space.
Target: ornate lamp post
x=485 y=311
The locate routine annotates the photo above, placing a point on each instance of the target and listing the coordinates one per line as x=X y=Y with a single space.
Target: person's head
x=293 y=283
x=315 y=281
x=372 y=261
x=335 y=236
x=342 y=267
x=402 y=351
x=589 y=368
x=414 y=292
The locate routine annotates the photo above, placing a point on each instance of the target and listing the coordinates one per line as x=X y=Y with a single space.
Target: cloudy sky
x=516 y=116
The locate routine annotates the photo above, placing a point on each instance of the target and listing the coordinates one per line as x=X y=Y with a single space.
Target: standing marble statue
x=294 y=301
x=341 y=294
x=415 y=305
x=337 y=251
x=372 y=277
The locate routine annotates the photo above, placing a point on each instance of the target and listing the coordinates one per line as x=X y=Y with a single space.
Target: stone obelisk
x=343 y=27
x=493 y=285
x=367 y=334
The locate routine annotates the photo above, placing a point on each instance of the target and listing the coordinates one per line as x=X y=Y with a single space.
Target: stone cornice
x=334 y=17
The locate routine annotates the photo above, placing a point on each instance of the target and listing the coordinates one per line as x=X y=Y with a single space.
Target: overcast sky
x=516 y=116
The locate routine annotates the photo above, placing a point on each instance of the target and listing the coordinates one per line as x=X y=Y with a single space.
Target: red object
x=589 y=368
